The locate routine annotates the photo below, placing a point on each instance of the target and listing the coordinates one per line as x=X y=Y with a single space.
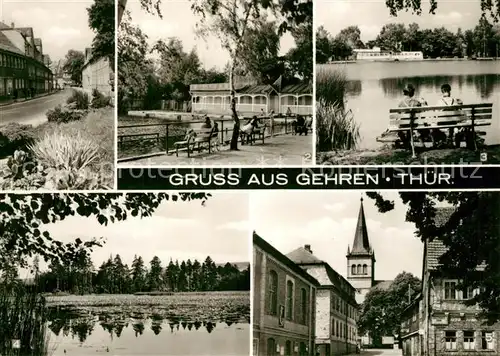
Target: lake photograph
x=375 y=72
x=125 y=274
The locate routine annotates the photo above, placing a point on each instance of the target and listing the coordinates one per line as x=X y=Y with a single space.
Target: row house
x=284 y=304
x=411 y=331
x=253 y=98
x=446 y=325
x=22 y=70
x=336 y=307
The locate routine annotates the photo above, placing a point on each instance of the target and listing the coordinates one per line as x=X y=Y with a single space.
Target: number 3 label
x=484 y=157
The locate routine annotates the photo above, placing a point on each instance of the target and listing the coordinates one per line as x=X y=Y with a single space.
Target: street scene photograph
x=124 y=274
x=390 y=273
x=57 y=129
x=407 y=83
x=215 y=82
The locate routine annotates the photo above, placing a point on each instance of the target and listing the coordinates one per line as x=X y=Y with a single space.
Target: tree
x=323 y=45
x=351 y=36
x=138 y=274
x=382 y=309
x=73 y=65
x=300 y=57
x=22 y=220
x=155 y=280
x=488 y=7
x=391 y=37
x=102 y=22
x=471 y=235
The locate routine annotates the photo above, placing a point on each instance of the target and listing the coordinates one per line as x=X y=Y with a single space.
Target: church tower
x=361 y=259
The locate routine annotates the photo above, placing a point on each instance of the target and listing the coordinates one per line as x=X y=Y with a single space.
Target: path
x=32 y=111
x=379 y=352
x=277 y=151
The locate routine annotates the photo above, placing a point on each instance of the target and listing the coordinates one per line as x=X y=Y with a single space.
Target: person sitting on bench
x=247 y=130
x=409 y=101
x=447 y=100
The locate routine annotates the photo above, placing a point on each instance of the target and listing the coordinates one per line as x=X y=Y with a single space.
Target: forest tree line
x=482 y=41
x=116 y=277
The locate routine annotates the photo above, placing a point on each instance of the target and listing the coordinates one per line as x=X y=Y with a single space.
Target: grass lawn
x=459 y=156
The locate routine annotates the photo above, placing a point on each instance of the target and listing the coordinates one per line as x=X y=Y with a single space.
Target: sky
x=179 y=21
x=62 y=25
x=179 y=230
x=372 y=15
x=326 y=220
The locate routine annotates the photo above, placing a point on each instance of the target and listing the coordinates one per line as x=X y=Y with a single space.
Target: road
x=32 y=111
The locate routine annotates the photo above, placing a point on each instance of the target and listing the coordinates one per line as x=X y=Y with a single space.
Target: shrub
x=61 y=114
x=336 y=128
x=59 y=150
x=99 y=100
x=80 y=99
x=14 y=137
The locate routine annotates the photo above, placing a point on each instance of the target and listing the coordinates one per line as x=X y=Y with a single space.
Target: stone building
x=449 y=327
x=97 y=73
x=411 y=330
x=336 y=307
x=23 y=72
x=283 y=305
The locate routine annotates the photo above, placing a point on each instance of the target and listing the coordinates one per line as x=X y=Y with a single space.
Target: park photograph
x=413 y=83
x=215 y=82
x=124 y=274
x=57 y=115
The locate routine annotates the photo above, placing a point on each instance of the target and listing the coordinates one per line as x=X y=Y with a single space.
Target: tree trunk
x=121 y=9
x=236 y=120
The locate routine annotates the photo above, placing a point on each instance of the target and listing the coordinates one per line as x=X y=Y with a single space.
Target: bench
x=432 y=118
x=258 y=133
x=155 y=135
x=203 y=138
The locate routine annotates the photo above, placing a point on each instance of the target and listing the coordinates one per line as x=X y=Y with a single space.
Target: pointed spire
x=361 y=243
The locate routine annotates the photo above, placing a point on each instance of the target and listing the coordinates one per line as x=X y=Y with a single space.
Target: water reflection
x=81 y=324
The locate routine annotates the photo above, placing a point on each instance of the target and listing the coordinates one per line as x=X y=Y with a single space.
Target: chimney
x=12 y=24
x=308 y=248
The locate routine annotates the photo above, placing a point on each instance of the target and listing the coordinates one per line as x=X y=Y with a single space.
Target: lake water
x=160 y=328
x=376 y=87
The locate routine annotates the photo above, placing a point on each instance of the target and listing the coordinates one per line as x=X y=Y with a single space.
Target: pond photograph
x=406 y=88
x=125 y=274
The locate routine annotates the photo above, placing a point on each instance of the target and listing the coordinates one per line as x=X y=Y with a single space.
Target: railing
x=162 y=136
x=297 y=109
x=220 y=107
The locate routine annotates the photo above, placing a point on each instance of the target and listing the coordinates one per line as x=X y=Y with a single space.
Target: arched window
x=353 y=269
x=358 y=271
x=289 y=300
x=303 y=349
x=273 y=292
x=365 y=269
x=303 y=306
x=271 y=347
x=288 y=348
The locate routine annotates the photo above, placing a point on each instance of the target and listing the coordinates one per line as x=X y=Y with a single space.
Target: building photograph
x=382 y=290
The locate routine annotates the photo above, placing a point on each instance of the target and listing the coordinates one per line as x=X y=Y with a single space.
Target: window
x=303 y=349
x=289 y=300
x=451 y=340
x=336 y=328
x=303 y=306
x=469 y=340
x=288 y=348
x=487 y=340
x=468 y=293
x=333 y=326
x=450 y=291
x=358 y=269
x=365 y=269
x=353 y=269
x=271 y=347
x=273 y=293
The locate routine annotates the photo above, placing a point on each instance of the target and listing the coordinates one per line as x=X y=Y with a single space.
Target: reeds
x=335 y=126
x=23 y=322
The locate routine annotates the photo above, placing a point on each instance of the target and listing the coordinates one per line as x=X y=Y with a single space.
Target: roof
x=25 y=31
x=361 y=245
x=436 y=248
x=256 y=89
x=7 y=45
x=266 y=246
x=301 y=255
x=4 y=26
x=38 y=41
x=300 y=88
